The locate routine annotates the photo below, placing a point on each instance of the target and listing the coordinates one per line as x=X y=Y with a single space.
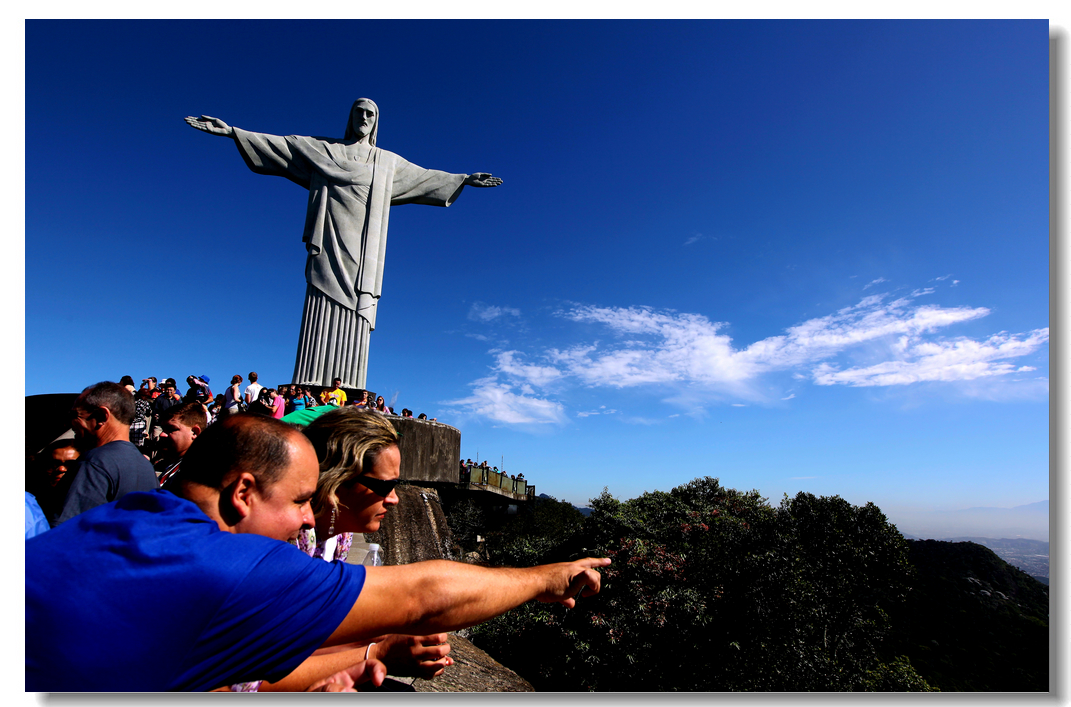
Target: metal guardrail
x=486 y=477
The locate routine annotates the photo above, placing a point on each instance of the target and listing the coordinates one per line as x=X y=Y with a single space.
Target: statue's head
x=361 y=123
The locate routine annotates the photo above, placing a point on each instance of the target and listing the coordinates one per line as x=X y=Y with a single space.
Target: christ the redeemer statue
x=352 y=185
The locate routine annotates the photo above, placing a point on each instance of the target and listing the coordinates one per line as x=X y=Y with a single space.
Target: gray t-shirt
x=105 y=474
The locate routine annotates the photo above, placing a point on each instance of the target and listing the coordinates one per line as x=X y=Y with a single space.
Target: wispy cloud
x=945 y=277
x=693 y=239
x=480 y=312
x=874 y=342
x=637 y=420
x=954 y=360
x=874 y=282
x=603 y=410
x=508 y=363
x=497 y=401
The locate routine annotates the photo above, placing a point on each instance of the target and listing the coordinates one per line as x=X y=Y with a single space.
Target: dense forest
x=713 y=589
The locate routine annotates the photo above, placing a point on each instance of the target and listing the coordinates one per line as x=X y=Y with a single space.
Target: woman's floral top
x=306 y=542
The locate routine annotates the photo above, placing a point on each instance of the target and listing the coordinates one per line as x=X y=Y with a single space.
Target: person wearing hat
x=199 y=390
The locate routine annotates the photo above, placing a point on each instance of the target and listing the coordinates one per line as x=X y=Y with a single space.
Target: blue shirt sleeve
x=36 y=523
x=283 y=610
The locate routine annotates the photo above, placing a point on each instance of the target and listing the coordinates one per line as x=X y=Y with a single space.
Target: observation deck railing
x=480 y=476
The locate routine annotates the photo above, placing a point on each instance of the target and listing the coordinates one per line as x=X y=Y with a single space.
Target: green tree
x=542 y=531
x=466 y=521
x=713 y=589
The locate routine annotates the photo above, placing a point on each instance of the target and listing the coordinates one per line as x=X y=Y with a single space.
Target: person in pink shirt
x=278 y=402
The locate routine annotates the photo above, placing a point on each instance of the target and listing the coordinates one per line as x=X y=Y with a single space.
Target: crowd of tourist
x=166 y=421
x=468 y=465
x=173 y=566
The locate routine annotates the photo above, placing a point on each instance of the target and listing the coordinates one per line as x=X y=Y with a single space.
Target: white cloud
x=954 y=360
x=666 y=347
x=739 y=405
x=481 y=312
x=693 y=239
x=923 y=291
x=874 y=282
x=498 y=402
x=689 y=348
x=943 y=277
x=868 y=321
x=602 y=410
x=954 y=283
x=507 y=363
x=871 y=343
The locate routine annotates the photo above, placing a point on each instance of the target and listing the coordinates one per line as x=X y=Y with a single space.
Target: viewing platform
x=430 y=452
x=476 y=479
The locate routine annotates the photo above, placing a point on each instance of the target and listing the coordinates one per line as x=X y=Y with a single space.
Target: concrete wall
x=430 y=450
x=415 y=530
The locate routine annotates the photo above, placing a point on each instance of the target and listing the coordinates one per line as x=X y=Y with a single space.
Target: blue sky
x=793 y=255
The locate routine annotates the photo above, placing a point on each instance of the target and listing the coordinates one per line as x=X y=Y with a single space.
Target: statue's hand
x=210 y=125
x=476 y=179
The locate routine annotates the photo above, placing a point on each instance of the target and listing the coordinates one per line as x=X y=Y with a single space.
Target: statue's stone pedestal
x=431 y=451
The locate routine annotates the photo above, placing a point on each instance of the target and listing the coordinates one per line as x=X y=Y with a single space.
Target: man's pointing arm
x=439 y=596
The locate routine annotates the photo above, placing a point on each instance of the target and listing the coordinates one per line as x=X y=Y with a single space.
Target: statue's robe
x=351 y=189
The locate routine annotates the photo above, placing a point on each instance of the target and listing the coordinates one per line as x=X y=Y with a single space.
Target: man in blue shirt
x=162 y=592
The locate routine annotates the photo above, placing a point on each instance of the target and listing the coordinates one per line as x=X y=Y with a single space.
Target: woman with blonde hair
x=359 y=467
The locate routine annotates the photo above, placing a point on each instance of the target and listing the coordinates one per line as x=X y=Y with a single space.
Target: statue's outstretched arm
x=214 y=126
x=476 y=179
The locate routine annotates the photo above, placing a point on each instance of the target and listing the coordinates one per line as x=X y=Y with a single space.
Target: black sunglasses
x=379 y=487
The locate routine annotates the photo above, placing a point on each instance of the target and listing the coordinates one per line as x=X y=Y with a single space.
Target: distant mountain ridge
x=584 y=510
x=1028 y=521
x=1041 y=506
